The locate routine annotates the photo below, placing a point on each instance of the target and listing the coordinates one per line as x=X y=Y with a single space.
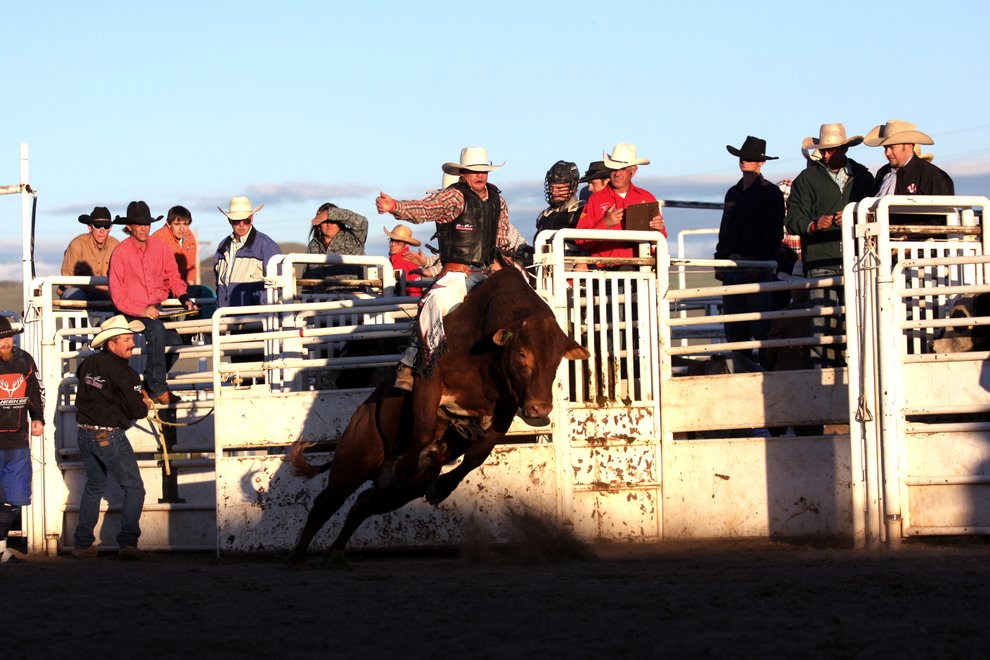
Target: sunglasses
x=246 y=221
x=101 y=225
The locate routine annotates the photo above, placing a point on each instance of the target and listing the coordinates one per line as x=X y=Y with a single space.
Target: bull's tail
x=300 y=466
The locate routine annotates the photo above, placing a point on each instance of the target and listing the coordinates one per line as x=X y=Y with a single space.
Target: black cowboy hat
x=753 y=149
x=98 y=213
x=138 y=213
x=6 y=330
x=596 y=170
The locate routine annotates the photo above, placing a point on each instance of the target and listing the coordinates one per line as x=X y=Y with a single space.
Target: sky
x=299 y=103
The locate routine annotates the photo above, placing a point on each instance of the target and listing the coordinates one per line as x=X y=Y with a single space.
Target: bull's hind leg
x=378 y=501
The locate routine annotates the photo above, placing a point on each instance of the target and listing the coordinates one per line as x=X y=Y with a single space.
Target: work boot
x=85 y=553
x=166 y=398
x=131 y=552
x=404 y=378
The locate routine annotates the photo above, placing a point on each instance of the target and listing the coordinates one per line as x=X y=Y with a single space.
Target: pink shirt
x=143 y=276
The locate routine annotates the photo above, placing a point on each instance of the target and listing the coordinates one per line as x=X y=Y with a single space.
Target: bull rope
x=161 y=424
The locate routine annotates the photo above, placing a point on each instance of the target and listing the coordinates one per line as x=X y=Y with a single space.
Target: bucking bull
x=503 y=350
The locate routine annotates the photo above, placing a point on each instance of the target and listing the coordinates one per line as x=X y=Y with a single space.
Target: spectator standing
x=336 y=231
x=241 y=258
x=22 y=412
x=108 y=400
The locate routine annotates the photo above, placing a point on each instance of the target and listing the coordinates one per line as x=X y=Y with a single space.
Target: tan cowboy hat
x=401 y=233
x=928 y=157
x=623 y=155
x=896 y=132
x=240 y=208
x=473 y=159
x=113 y=326
x=831 y=136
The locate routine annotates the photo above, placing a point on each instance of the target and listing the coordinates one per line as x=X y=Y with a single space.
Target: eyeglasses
x=101 y=225
x=245 y=221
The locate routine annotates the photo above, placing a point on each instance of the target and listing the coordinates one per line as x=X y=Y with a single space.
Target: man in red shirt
x=606 y=208
x=142 y=275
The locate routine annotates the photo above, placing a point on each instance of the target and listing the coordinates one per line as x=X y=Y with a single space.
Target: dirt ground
x=725 y=599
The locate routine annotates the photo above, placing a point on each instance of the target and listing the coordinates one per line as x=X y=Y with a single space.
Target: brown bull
x=503 y=350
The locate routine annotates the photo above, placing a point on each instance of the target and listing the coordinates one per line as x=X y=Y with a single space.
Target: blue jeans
x=112 y=455
x=743 y=303
x=156 y=365
x=827 y=326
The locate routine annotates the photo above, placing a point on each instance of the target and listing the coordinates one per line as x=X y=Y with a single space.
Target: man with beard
x=22 y=410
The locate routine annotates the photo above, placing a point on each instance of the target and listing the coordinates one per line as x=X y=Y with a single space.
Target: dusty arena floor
x=729 y=599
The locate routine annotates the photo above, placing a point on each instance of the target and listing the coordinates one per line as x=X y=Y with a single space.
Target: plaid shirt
x=790 y=241
x=446 y=206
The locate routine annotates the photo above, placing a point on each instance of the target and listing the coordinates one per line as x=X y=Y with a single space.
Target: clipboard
x=637 y=216
x=173 y=314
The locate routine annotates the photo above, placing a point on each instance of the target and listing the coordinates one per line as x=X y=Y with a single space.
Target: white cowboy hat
x=401 y=233
x=831 y=136
x=473 y=159
x=113 y=326
x=240 y=208
x=623 y=155
x=896 y=132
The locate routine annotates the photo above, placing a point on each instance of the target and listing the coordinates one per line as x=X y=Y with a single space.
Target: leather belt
x=94 y=427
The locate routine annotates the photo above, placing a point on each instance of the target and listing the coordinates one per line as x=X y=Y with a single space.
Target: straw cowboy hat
x=623 y=155
x=138 y=213
x=6 y=330
x=401 y=233
x=753 y=149
x=596 y=170
x=831 y=136
x=113 y=326
x=240 y=208
x=98 y=213
x=896 y=132
x=473 y=159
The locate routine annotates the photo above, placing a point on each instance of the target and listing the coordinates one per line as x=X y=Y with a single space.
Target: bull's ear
x=502 y=337
x=576 y=351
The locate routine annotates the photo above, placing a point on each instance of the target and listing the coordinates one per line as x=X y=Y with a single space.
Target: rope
x=161 y=424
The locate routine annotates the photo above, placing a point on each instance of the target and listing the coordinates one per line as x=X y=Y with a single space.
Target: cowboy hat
x=753 y=149
x=896 y=132
x=240 y=208
x=138 y=213
x=446 y=181
x=473 y=159
x=596 y=170
x=401 y=233
x=98 y=213
x=113 y=326
x=831 y=136
x=623 y=155
x=7 y=330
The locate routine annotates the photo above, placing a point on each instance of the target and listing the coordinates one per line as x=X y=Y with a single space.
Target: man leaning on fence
x=751 y=230
x=814 y=212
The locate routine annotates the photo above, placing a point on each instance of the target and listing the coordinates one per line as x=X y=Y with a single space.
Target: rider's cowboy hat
x=240 y=208
x=113 y=326
x=473 y=159
x=753 y=149
x=401 y=233
x=98 y=213
x=138 y=213
x=896 y=132
x=623 y=155
x=831 y=136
